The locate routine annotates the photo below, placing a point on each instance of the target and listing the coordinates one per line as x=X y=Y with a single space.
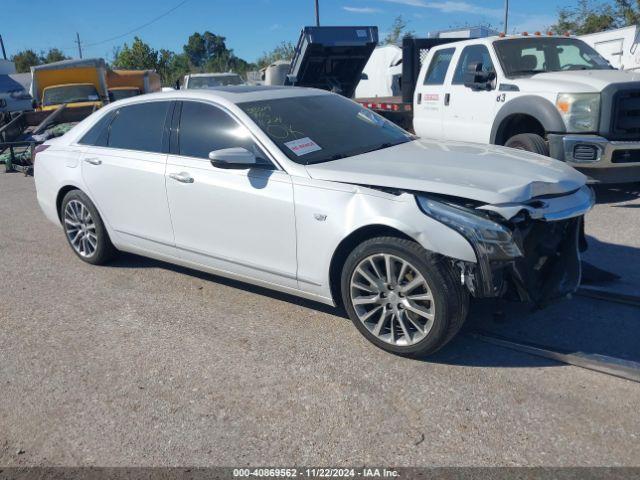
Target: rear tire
x=529 y=142
x=84 y=229
x=402 y=298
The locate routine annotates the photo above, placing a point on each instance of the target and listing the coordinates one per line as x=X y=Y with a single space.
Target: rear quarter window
x=98 y=135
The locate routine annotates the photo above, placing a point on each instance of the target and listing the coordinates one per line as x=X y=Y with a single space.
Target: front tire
x=402 y=298
x=84 y=229
x=529 y=142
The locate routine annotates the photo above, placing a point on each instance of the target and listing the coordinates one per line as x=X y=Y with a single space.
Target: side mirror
x=236 y=158
x=477 y=79
x=364 y=76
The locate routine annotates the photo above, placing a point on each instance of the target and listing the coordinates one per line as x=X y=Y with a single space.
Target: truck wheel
x=402 y=298
x=529 y=142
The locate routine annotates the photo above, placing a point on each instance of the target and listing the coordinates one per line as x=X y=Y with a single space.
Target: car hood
x=485 y=173
x=576 y=80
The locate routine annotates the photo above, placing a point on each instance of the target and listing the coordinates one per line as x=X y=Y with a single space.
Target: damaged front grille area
x=548 y=269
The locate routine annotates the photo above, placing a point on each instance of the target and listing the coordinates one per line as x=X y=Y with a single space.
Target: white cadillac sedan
x=306 y=192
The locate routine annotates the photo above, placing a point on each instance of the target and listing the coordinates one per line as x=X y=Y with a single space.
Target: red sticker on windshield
x=302 y=146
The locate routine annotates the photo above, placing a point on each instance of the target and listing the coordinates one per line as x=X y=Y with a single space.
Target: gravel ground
x=143 y=363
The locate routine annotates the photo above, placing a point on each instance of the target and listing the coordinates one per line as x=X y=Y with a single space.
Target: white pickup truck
x=547 y=94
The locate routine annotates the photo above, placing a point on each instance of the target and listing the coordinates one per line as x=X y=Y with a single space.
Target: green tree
x=588 y=17
x=205 y=52
x=398 y=31
x=139 y=56
x=284 y=51
x=171 y=67
x=205 y=48
x=26 y=59
x=54 y=55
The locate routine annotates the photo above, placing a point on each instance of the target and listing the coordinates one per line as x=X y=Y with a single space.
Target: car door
x=123 y=167
x=238 y=221
x=469 y=113
x=429 y=96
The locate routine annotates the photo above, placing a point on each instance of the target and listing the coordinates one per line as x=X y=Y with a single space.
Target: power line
x=137 y=28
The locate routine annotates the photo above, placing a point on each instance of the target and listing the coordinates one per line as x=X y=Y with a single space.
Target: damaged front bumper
x=548 y=269
x=541 y=260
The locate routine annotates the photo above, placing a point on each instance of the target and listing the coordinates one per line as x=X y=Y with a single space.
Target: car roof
x=231 y=94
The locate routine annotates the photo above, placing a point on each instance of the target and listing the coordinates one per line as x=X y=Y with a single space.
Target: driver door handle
x=93 y=161
x=182 y=177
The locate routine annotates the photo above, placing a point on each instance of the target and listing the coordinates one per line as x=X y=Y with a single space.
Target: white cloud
x=361 y=9
x=451 y=6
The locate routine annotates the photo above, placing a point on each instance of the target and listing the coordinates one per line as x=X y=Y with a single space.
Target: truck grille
x=626 y=114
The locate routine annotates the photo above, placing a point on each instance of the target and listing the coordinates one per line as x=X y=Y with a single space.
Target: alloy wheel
x=80 y=228
x=392 y=299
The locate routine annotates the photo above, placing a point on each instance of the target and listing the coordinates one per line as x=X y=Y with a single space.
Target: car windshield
x=217 y=81
x=321 y=128
x=70 y=94
x=121 y=93
x=529 y=56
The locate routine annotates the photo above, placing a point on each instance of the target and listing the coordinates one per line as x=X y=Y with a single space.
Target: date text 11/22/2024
x=316 y=472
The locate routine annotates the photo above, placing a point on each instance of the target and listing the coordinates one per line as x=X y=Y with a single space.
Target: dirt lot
x=143 y=363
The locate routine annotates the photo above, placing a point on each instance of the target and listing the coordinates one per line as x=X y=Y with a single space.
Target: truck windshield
x=217 y=81
x=120 y=93
x=529 y=56
x=69 y=94
x=322 y=128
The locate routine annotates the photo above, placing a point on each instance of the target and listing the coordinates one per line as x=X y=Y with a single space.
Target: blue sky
x=251 y=26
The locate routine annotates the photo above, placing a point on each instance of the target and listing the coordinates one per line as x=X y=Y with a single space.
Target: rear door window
x=205 y=128
x=438 y=67
x=139 y=127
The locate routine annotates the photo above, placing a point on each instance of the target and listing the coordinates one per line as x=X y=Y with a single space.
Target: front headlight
x=579 y=111
x=490 y=239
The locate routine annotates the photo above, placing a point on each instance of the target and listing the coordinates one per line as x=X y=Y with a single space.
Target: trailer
x=20 y=136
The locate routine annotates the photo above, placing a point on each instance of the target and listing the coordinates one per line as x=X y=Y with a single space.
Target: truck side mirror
x=477 y=79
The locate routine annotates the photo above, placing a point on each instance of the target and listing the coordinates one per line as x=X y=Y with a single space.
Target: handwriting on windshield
x=272 y=123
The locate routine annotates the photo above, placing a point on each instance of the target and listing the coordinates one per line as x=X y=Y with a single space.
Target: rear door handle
x=93 y=161
x=182 y=177
x=447 y=99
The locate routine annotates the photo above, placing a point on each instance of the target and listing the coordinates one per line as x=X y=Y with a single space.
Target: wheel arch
x=60 y=196
x=346 y=246
x=529 y=110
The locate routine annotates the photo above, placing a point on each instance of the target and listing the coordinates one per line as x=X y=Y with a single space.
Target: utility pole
x=4 y=53
x=317 y=14
x=506 y=17
x=78 y=42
